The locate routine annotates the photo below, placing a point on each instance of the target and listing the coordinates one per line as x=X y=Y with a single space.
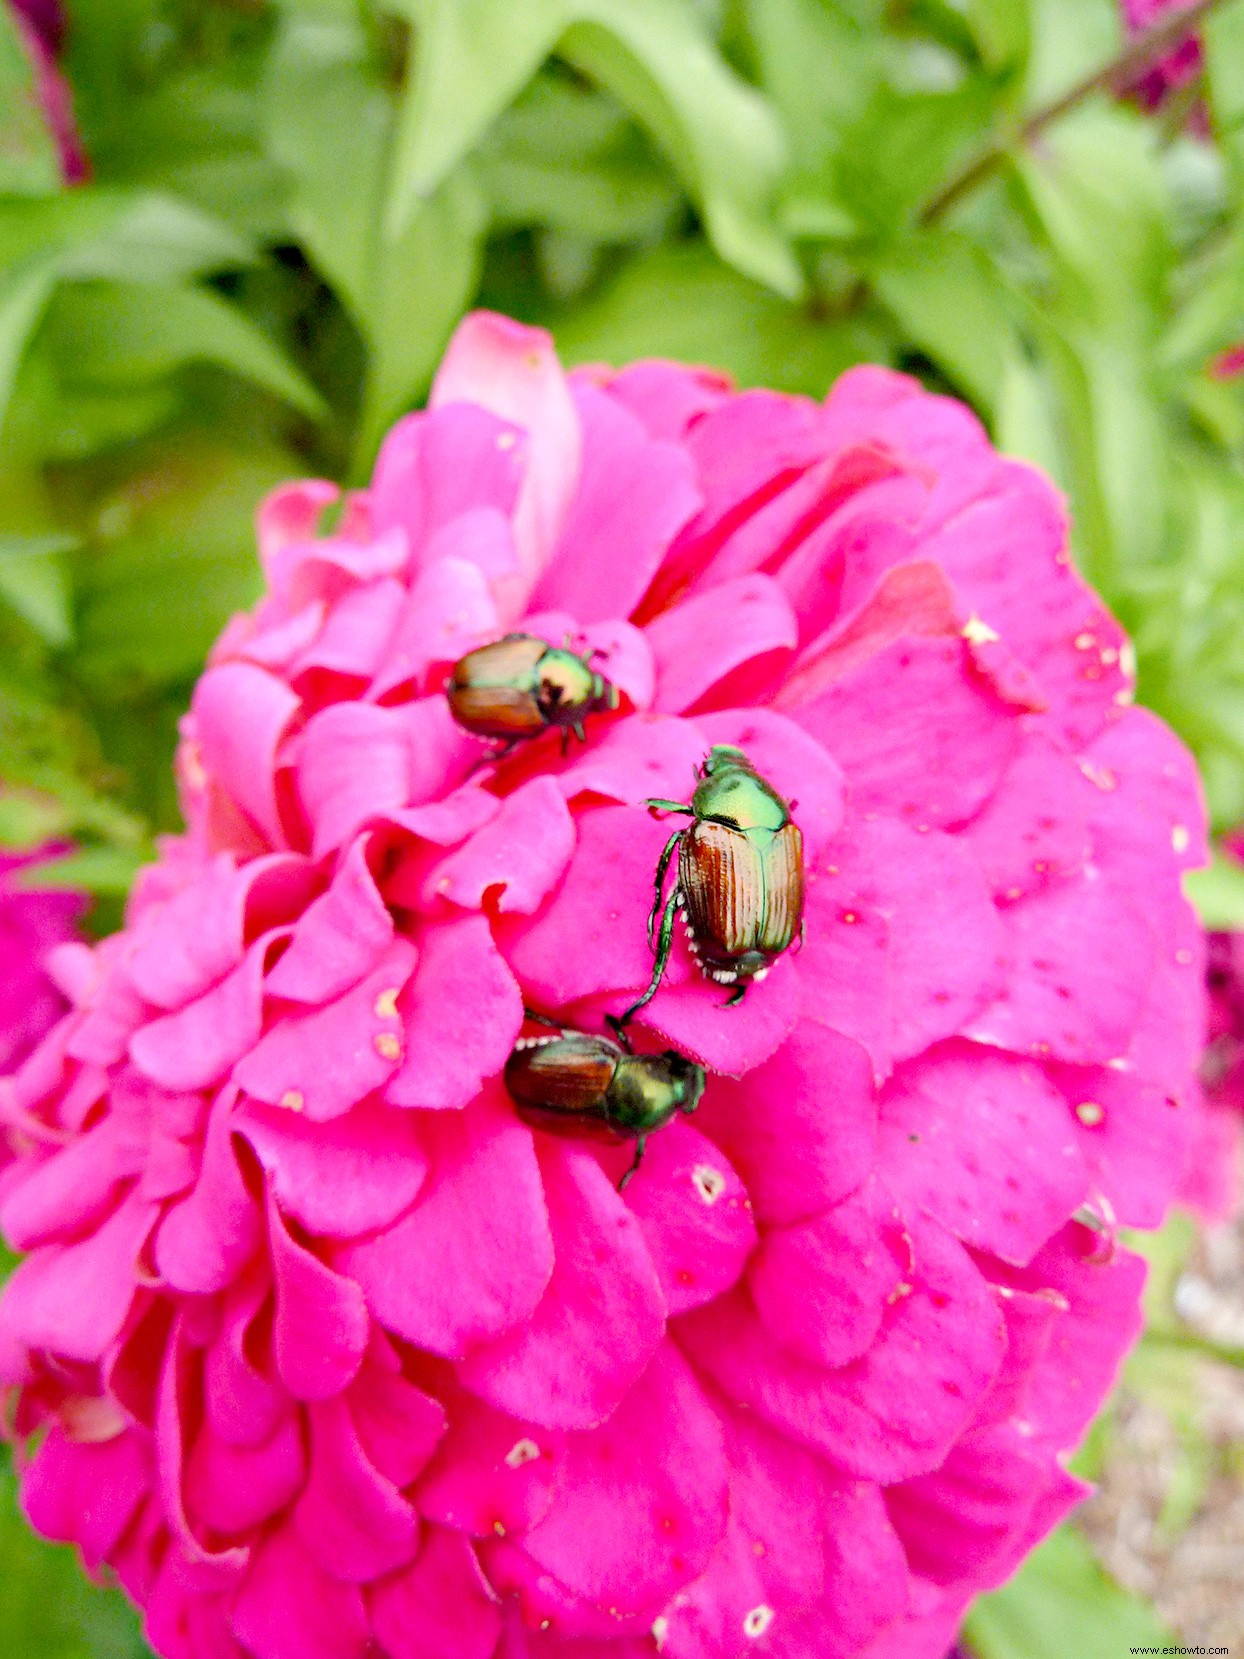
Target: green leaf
x=29 y=162
x=124 y=235
x=24 y=294
x=681 y=302
x=420 y=287
x=89 y=870
x=473 y=56
x=948 y=295
x=1218 y=893
x=1003 y=31
x=1224 y=62
x=49 y=1609
x=34 y=584
x=1061 y=1603
x=114 y=334
x=171 y=558
x=1026 y=421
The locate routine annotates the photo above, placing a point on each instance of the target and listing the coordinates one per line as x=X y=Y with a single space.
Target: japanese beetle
x=740 y=876
x=574 y=1083
x=519 y=686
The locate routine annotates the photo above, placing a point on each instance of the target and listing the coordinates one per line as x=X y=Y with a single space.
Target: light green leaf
x=24 y=294
x=127 y=236
x=948 y=295
x=1224 y=62
x=172 y=557
x=420 y=286
x=1061 y=1603
x=1026 y=423
x=29 y=163
x=34 y=584
x=116 y=334
x=1218 y=893
x=473 y=56
x=681 y=302
x=89 y=870
x=1003 y=31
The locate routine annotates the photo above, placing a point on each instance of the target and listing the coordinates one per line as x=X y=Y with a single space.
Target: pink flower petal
x=221 y=1565
x=910 y=601
x=822 y=1287
x=708 y=638
x=797 y=765
x=795 y=1157
x=243 y=1398
x=399 y=1427
x=233 y=1489
x=986 y=1145
x=74 y=1299
x=288 y=1608
x=946 y=741
x=240 y=715
x=894 y=1412
x=1022 y=851
x=554 y=1370
x=695 y=1215
x=633 y=493
x=447 y=613
x=348 y=1176
x=352 y=1520
x=337 y=938
x=86 y=1493
x=651 y=1480
x=188 y=944
x=324 y=1063
x=355 y=633
x=69 y=1191
x=492 y=1474
x=321 y=1325
x=452 y=1042
x=205 y=1241
x=652 y=755
x=355 y=764
x=473 y=1257
x=667 y=397
x=513 y=371
x=1083 y=955
x=698 y=1020
x=516 y=859
x=194 y=1048
x=291 y=513
x=441 y=1608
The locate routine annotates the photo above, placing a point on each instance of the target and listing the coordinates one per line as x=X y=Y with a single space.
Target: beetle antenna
x=620 y=1032
x=541 y=1019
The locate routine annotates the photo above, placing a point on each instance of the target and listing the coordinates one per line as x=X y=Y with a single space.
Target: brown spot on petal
x=387 y=1046
x=292 y=1100
x=385 y=1006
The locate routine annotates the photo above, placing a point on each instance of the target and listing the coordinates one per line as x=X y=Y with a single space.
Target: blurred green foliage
x=292 y=202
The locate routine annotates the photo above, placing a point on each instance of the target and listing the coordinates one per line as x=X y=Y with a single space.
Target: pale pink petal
x=448 y=612
x=291 y=513
x=633 y=493
x=355 y=764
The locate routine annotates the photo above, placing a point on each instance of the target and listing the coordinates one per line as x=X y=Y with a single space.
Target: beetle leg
x=565 y=741
x=664 y=944
x=736 y=996
x=663 y=864
x=541 y=1019
x=671 y=806
x=619 y=1030
x=580 y=733
x=640 y=1144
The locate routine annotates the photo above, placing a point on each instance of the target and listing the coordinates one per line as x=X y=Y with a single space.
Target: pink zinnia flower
x=31 y=924
x=41 y=24
x=330 y=1353
x=1171 y=71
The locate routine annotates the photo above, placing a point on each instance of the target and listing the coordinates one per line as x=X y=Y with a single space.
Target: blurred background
x=234 y=238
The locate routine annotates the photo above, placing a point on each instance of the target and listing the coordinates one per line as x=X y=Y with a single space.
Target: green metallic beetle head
x=732 y=792
x=650 y=1089
x=568 y=687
